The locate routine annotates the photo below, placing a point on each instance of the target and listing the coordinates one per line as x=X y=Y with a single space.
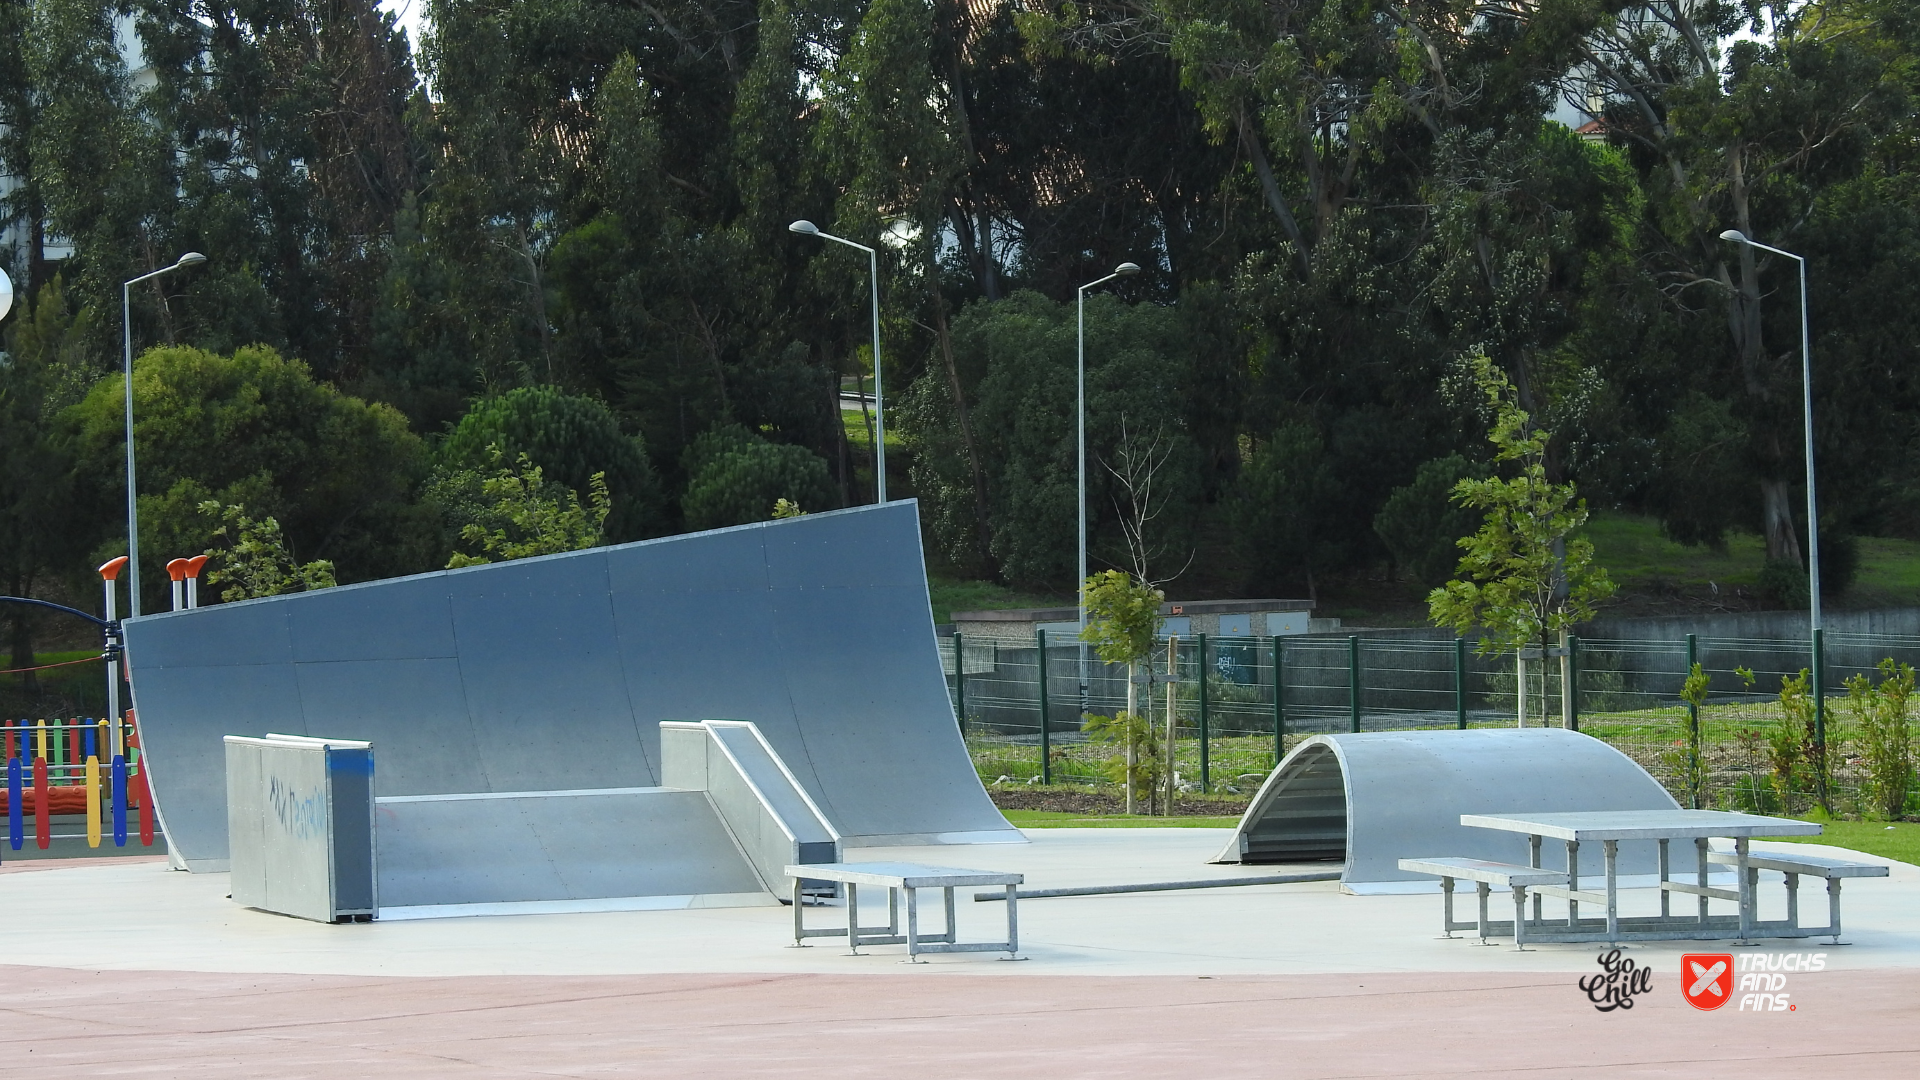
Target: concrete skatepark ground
x=125 y=968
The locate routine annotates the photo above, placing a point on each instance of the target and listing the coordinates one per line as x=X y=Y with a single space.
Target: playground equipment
x=816 y=629
x=81 y=766
x=1378 y=797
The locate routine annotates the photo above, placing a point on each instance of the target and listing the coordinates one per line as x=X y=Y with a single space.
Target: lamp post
x=1818 y=667
x=1125 y=269
x=808 y=228
x=191 y=258
x=1806 y=391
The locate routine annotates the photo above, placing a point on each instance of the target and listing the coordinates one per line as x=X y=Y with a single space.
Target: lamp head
x=1126 y=270
x=191 y=258
x=804 y=227
x=1736 y=236
x=6 y=294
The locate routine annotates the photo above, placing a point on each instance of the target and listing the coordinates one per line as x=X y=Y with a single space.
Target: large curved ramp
x=553 y=674
x=1377 y=797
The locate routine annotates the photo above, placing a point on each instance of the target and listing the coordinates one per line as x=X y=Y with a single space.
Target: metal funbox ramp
x=1374 y=798
x=713 y=836
x=300 y=815
x=539 y=679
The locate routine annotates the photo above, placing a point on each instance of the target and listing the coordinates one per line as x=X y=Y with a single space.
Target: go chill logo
x=1758 y=981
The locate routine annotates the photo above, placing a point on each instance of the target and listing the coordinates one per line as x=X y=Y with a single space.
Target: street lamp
x=6 y=294
x=191 y=258
x=1813 y=520
x=1125 y=269
x=1806 y=387
x=808 y=228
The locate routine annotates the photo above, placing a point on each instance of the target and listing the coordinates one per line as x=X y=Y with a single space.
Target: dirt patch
x=1100 y=802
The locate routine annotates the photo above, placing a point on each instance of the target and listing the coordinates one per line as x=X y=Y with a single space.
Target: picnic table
x=907 y=879
x=1609 y=827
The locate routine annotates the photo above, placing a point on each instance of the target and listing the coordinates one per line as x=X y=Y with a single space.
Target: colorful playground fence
x=56 y=767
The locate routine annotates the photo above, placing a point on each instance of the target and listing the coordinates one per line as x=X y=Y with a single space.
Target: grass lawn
x=1053 y=819
x=953 y=594
x=1642 y=562
x=1899 y=841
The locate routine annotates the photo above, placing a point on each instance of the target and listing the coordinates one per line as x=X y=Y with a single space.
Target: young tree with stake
x=1524 y=576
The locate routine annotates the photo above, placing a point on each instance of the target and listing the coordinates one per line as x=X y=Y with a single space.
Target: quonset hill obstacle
x=1374 y=798
x=549 y=677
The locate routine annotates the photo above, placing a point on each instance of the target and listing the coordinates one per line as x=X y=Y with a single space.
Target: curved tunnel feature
x=1303 y=812
x=1377 y=797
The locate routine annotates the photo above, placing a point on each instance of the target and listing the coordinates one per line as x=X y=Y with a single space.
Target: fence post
x=1353 y=678
x=959 y=683
x=1460 y=683
x=1206 y=775
x=1046 y=746
x=1573 y=681
x=1279 y=700
x=1173 y=717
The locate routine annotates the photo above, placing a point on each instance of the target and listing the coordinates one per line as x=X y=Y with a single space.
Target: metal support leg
x=1746 y=887
x=1665 y=868
x=799 y=927
x=951 y=937
x=1484 y=891
x=1700 y=851
x=913 y=926
x=1793 y=902
x=1533 y=860
x=1013 y=926
x=1446 y=907
x=1520 y=918
x=1573 y=884
x=1833 y=910
x=853 y=919
x=1612 y=848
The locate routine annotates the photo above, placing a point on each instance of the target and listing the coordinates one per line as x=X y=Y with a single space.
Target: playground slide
x=553 y=674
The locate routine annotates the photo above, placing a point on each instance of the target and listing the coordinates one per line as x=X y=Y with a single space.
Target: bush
x=736 y=477
x=570 y=439
x=1422 y=525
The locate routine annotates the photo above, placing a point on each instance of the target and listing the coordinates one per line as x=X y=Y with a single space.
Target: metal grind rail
x=1162 y=886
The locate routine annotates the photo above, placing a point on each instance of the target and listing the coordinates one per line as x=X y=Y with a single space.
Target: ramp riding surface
x=553 y=674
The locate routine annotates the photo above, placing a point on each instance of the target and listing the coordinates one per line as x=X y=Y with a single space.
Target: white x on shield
x=1706 y=978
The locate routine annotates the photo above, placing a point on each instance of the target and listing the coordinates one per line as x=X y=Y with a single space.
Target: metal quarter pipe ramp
x=553 y=674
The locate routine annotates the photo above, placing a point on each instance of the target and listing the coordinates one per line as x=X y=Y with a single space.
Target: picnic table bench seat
x=1794 y=866
x=1485 y=875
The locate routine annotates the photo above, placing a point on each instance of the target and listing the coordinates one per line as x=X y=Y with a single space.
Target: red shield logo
x=1706 y=979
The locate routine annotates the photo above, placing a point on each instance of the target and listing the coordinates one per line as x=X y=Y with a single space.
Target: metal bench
x=1793 y=866
x=907 y=878
x=1485 y=875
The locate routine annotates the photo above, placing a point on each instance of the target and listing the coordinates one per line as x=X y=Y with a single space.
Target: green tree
x=736 y=477
x=1525 y=575
x=1422 y=525
x=571 y=438
x=1017 y=357
x=252 y=429
x=36 y=510
x=255 y=561
x=520 y=514
x=1123 y=618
